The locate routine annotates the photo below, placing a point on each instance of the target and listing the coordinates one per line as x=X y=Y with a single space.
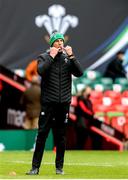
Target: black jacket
x=57 y=77
x=115 y=69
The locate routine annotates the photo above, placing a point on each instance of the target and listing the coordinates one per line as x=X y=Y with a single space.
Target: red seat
x=96 y=94
x=118 y=123
x=96 y=97
x=102 y=108
x=109 y=101
x=121 y=108
x=107 y=120
x=125 y=93
x=124 y=101
x=96 y=101
x=112 y=94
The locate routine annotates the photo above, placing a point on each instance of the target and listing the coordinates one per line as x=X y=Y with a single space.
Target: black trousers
x=53 y=115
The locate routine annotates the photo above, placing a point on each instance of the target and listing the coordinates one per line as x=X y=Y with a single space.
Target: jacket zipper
x=59 y=80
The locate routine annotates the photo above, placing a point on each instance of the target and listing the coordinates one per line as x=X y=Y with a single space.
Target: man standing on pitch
x=55 y=67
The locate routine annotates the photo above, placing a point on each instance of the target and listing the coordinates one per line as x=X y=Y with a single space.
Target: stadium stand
x=92 y=75
x=110 y=104
x=12 y=87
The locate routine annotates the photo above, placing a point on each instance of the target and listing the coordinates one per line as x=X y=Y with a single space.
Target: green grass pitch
x=78 y=165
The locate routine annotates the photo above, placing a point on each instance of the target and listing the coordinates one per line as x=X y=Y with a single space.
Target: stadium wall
x=22 y=140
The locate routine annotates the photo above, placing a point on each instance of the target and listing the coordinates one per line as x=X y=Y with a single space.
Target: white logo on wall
x=15 y=117
x=56 y=20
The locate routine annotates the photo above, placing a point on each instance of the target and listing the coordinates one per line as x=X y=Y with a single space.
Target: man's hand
x=53 y=52
x=68 y=50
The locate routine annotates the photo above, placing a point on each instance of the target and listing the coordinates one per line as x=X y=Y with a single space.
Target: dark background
x=21 y=40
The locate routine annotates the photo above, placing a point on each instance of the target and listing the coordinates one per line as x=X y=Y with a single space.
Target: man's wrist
x=71 y=56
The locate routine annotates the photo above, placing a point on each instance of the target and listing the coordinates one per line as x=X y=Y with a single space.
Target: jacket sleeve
x=44 y=63
x=76 y=68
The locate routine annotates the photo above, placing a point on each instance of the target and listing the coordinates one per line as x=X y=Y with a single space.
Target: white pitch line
x=68 y=164
x=73 y=164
